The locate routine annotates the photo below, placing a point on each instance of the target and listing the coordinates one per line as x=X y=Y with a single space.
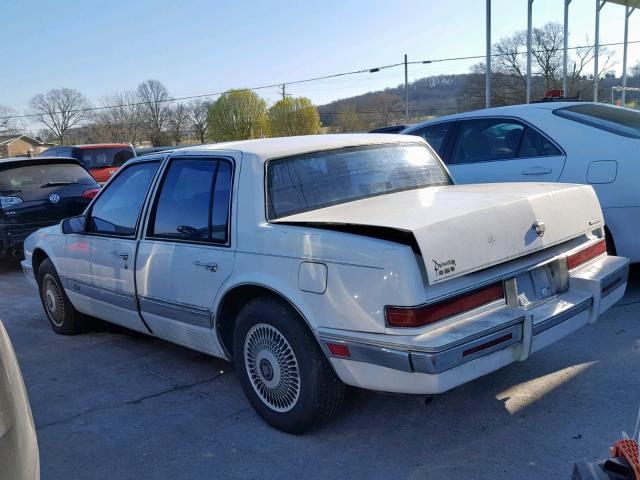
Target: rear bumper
x=410 y=365
x=13 y=236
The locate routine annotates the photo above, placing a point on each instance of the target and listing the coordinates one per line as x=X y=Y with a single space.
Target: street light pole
x=529 y=33
x=565 y=58
x=627 y=14
x=596 y=72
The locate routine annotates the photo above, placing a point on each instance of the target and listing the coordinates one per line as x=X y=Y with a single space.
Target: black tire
x=611 y=246
x=272 y=341
x=62 y=316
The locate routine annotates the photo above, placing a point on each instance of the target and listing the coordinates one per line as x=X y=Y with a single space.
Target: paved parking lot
x=114 y=404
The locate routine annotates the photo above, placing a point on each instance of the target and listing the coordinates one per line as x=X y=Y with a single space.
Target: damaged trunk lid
x=465 y=228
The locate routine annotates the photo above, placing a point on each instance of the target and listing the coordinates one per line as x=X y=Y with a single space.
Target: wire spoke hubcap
x=272 y=367
x=53 y=300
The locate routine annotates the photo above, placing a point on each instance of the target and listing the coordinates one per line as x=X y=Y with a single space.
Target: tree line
x=149 y=114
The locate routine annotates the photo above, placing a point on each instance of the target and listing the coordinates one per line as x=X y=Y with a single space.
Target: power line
x=297 y=82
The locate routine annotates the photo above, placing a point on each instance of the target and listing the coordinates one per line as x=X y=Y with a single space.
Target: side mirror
x=74 y=224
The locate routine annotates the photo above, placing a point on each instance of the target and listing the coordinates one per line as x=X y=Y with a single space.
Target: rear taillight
x=420 y=316
x=89 y=194
x=588 y=253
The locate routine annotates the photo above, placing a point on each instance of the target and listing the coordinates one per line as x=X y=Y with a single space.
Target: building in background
x=21 y=146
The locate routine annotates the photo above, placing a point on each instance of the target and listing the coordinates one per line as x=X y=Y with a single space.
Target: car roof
x=505 y=110
x=267 y=148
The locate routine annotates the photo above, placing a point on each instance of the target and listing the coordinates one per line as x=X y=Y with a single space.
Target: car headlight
x=6 y=202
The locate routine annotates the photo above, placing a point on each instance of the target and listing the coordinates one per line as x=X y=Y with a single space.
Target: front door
x=111 y=241
x=502 y=150
x=186 y=254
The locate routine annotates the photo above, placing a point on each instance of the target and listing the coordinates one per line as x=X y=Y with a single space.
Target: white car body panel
x=341 y=283
x=607 y=161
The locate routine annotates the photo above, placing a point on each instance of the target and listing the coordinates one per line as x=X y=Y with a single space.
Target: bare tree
x=120 y=119
x=178 y=120
x=155 y=109
x=59 y=110
x=635 y=70
x=198 y=110
x=387 y=106
x=7 y=120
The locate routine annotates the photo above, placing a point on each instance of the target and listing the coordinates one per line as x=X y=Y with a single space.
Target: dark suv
x=38 y=192
x=101 y=159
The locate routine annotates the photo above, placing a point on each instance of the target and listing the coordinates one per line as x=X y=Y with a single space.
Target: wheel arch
x=37 y=257
x=232 y=301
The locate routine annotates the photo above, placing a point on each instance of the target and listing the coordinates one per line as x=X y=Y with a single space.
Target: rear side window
x=117 y=210
x=35 y=176
x=536 y=145
x=435 y=135
x=193 y=202
x=618 y=120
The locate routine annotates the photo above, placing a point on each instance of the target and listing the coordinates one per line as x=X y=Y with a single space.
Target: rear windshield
x=316 y=180
x=34 y=176
x=104 y=157
x=621 y=121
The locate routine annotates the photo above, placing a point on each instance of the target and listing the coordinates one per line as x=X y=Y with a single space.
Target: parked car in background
x=314 y=262
x=574 y=142
x=101 y=159
x=37 y=192
x=389 y=129
x=19 y=458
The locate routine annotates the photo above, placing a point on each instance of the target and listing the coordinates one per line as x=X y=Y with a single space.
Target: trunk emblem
x=54 y=198
x=539 y=227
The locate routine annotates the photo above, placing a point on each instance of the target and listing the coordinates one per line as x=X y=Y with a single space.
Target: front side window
x=621 y=121
x=117 y=210
x=320 y=179
x=435 y=135
x=193 y=202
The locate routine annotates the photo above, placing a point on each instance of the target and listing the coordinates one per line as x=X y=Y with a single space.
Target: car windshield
x=316 y=180
x=621 y=121
x=44 y=174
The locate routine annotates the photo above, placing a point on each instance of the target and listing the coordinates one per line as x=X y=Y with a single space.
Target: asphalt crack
x=137 y=401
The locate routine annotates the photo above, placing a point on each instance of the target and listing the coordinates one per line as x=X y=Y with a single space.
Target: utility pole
x=284 y=92
x=529 y=33
x=487 y=73
x=406 y=89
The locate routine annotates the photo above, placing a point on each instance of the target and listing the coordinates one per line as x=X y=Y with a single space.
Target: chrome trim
x=360 y=352
x=119 y=299
x=200 y=317
x=453 y=357
x=561 y=317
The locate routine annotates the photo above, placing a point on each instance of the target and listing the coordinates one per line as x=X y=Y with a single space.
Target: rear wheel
x=611 y=246
x=283 y=372
x=63 y=317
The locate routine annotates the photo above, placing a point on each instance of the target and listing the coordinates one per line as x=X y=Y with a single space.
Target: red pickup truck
x=101 y=159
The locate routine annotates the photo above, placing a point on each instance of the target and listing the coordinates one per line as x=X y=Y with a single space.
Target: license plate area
x=537 y=285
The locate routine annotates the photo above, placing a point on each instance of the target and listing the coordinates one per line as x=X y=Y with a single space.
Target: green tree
x=293 y=116
x=238 y=115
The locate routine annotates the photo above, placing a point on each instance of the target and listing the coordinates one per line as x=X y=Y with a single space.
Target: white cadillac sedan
x=571 y=142
x=314 y=262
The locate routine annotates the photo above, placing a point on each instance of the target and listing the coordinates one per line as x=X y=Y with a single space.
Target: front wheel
x=283 y=372
x=63 y=317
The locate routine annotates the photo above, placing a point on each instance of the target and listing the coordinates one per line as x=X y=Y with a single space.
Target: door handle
x=537 y=171
x=122 y=255
x=212 y=267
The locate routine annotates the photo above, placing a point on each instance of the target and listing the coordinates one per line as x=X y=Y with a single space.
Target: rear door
x=186 y=254
x=496 y=149
x=111 y=244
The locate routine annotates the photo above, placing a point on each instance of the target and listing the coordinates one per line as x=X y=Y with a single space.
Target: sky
x=197 y=47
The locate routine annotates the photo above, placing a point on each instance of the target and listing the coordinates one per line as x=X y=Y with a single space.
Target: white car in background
x=569 y=142
x=311 y=262
x=19 y=458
